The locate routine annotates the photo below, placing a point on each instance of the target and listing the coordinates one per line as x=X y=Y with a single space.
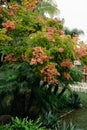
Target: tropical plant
x=48 y=7
x=21 y=93
x=73 y=32
x=19 y=124
x=50 y=121
x=63 y=102
x=74 y=100
x=68 y=126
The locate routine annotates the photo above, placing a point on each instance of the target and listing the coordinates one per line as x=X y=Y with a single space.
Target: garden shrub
x=76 y=74
x=74 y=101
x=50 y=121
x=19 y=124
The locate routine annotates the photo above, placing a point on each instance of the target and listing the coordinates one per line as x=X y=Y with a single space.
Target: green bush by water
x=19 y=124
x=49 y=122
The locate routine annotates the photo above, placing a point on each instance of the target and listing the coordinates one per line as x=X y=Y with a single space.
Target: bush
x=18 y=124
x=74 y=101
x=63 y=101
x=76 y=74
x=69 y=126
x=50 y=121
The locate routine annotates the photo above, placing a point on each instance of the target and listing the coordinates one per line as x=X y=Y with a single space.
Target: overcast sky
x=75 y=14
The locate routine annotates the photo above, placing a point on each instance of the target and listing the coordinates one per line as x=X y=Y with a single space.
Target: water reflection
x=78 y=117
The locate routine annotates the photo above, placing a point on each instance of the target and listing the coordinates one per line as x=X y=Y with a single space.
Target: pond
x=79 y=116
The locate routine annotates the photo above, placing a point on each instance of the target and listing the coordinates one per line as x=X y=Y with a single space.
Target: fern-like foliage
x=20 y=91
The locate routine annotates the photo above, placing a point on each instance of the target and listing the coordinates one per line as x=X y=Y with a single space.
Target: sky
x=74 y=13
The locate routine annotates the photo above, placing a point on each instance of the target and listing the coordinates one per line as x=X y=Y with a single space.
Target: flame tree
x=34 y=54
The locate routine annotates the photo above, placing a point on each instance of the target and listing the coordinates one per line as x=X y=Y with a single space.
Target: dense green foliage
x=36 y=59
x=74 y=101
x=48 y=7
x=76 y=74
x=18 y=124
x=73 y=32
x=51 y=123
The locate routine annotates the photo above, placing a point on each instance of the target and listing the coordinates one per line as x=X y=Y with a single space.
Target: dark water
x=79 y=116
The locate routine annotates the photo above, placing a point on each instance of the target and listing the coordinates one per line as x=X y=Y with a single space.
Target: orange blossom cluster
x=1 y=9
x=11 y=58
x=39 y=56
x=49 y=72
x=66 y=64
x=60 y=50
x=67 y=76
x=9 y=25
x=50 y=33
x=13 y=9
x=81 y=51
x=31 y=5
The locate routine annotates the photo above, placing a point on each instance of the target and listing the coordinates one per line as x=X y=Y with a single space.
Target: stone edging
x=66 y=114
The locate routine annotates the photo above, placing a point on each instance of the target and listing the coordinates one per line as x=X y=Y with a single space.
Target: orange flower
x=60 y=32
x=49 y=72
x=33 y=62
x=31 y=4
x=1 y=15
x=13 y=9
x=60 y=50
x=57 y=20
x=39 y=56
x=67 y=76
x=40 y=17
x=30 y=7
x=51 y=29
x=50 y=36
x=66 y=64
x=11 y=13
x=9 y=25
x=11 y=58
x=81 y=51
x=50 y=33
x=1 y=10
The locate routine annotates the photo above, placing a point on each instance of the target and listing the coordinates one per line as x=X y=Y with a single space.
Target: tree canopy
x=34 y=48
